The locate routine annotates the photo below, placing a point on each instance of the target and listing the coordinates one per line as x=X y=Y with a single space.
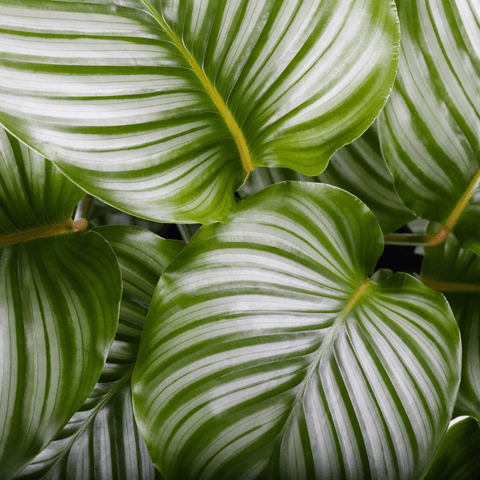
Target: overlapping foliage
x=270 y=346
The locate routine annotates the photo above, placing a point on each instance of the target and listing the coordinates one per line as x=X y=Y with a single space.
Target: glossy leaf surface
x=448 y=267
x=161 y=107
x=458 y=456
x=358 y=168
x=33 y=192
x=429 y=128
x=267 y=352
x=59 y=303
x=101 y=441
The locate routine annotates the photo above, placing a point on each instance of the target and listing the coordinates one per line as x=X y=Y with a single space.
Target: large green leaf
x=59 y=303
x=162 y=107
x=33 y=192
x=101 y=441
x=429 y=128
x=458 y=456
x=267 y=352
x=358 y=168
x=449 y=267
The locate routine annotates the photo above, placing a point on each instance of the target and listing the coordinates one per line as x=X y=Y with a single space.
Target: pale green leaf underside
x=33 y=192
x=429 y=128
x=261 y=357
x=449 y=263
x=101 y=441
x=458 y=456
x=148 y=105
x=358 y=168
x=59 y=303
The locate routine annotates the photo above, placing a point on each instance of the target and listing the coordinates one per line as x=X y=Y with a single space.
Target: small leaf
x=458 y=458
x=101 y=441
x=164 y=110
x=268 y=353
x=429 y=127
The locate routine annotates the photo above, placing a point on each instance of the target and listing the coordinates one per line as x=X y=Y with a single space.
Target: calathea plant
x=270 y=346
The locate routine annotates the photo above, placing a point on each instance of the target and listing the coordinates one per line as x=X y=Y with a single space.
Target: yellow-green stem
x=43 y=232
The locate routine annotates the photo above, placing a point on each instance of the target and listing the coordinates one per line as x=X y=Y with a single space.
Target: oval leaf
x=164 y=110
x=267 y=352
x=101 y=441
x=59 y=304
x=429 y=128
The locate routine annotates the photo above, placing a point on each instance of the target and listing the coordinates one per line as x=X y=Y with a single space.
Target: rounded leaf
x=59 y=304
x=101 y=440
x=163 y=110
x=268 y=353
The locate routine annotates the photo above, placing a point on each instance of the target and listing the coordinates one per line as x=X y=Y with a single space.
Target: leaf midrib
x=323 y=348
x=209 y=88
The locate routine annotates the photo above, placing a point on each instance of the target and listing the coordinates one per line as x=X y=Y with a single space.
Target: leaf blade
x=450 y=264
x=457 y=457
x=358 y=168
x=429 y=126
x=47 y=360
x=33 y=192
x=153 y=133
x=218 y=385
x=101 y=440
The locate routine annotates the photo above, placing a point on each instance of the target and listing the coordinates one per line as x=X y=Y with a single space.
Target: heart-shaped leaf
x=429 y=128
x=59 y=304
x=358 y=168
x=458 y=458
x=102 y=440
x=268 y=353
x=456 y=271
x=161 y=108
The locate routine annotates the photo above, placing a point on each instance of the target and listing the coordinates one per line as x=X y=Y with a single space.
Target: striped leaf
x=429 y=128
x=33 y=192
x=458 y=458
x=268 y=353
x=358 y=168
x=162 y=108
x=59 y=303
x=101 y=441
x=450 y=267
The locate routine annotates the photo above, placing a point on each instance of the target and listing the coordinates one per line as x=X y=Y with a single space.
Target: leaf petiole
x=44 y=231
